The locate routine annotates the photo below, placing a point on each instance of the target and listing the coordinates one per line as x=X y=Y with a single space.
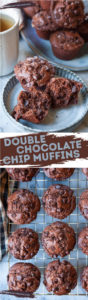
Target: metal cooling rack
x=38 y=185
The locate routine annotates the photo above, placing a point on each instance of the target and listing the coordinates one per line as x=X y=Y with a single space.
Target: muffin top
x=83 y=240
x=83 y=204
x=67 y=13
x=23 y=206
x=43 y=21
x=58 y=173
x=23 y=243
x=66 y=39
x=60 y=277
x=22 y=174
x=34 y=71
x=58 y=239
x=23 y=277
x=84 y=278
x=59 y=201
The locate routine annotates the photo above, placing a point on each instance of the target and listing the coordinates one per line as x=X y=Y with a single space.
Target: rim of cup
x=14 y=19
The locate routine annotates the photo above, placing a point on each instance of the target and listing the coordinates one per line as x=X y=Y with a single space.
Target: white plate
x=57 y=120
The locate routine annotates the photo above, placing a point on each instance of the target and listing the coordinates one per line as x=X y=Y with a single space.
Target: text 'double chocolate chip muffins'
x=58 y=173
x=23 y=277
x=59 y=201
x=23 y=206
x=83 y=204
x=60 y=277
x=22 y=174
x=58 y=239
x=23 y=243
x=66 y=44
x=83 y=240
x=34 y=72
x=32 y=106
x=63 y=92
x=84 y=278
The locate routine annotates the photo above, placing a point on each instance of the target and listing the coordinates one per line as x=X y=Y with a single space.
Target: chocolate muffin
x=85 y=171
x=22 y=174
x=63 y=91
x=23 y=277
x=83 y=240
x=58 y=173
x=58 y=239
x=34 y=72
x=45 y=4
x=83 y=204
x=59 y=201
x=43 y=24
x=23 y=206
x=23 y=243
x=33 y=106
x=66 y=44
x=60 y=277
x=83 y=29
x=67 y=13
x=33 y=9
x=84 y=279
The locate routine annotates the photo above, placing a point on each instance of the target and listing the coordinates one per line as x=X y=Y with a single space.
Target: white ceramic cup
x=9 y=42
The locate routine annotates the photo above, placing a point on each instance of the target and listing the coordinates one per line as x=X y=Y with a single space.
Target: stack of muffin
x=58 y=238
x=63 y=22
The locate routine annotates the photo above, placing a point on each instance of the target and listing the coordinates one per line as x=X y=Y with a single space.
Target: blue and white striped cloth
x=5 y=185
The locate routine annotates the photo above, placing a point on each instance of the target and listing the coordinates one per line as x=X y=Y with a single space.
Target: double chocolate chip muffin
x=58 y=173
x=67 y=13
x=23 y=277
x=83 y=204
x=66 y=44
x=32 y=106
x=58 y=239
x=83 y=240
x=43 y=24
x=23 y=243
x=59 y=201
x=23 y=206
x=22 y=174
x=84 y=279
x=34 y=72
x=63 y=92
x=60 y=277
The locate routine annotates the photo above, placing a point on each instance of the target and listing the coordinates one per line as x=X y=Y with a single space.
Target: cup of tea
x=9 y=40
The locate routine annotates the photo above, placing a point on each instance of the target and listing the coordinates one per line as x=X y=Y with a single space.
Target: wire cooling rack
x=38 y=185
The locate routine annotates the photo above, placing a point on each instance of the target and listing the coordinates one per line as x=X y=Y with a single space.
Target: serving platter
x=58 y=120
x=43 y=48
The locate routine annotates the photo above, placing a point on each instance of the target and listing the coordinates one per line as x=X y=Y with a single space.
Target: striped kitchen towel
x=6 y=187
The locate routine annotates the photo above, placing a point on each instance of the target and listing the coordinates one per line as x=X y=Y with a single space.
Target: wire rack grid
x=38 y=185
